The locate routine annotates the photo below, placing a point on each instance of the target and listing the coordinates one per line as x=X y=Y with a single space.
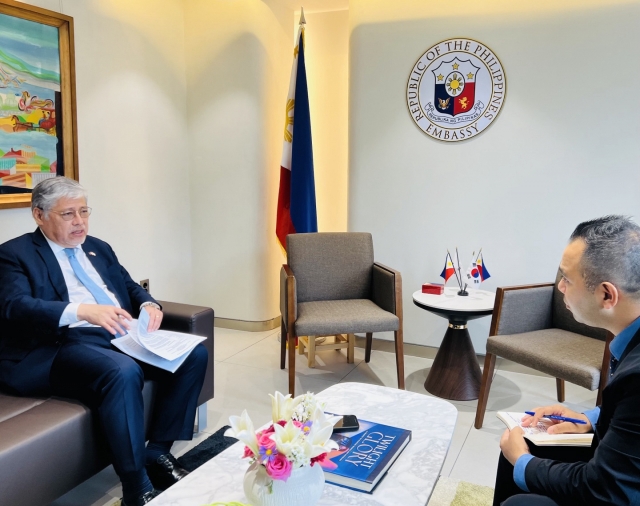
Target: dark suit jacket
x=612 y=476
x=33 y=295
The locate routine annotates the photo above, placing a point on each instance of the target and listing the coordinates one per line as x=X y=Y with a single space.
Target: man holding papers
x=601 y=285
x=63 y=297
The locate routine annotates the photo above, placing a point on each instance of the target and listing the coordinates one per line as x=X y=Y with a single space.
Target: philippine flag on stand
x=448 y=270
x=477 y=272
x=297 y=195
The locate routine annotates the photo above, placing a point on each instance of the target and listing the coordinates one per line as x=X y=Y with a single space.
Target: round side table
x=455 y=373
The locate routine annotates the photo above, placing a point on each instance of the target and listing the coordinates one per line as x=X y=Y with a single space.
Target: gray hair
x=48 y=192
x=612 y=253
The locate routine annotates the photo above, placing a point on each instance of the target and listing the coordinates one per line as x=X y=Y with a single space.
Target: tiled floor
x=247 y=369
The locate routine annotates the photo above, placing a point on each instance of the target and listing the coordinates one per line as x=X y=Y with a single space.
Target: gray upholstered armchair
x=532 y=326
x=331 y=285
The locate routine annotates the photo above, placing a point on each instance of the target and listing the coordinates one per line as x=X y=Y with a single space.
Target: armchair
x=532 y=326
x=331 y=285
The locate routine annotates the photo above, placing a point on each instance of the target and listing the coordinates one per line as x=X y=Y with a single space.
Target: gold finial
x=302 y=20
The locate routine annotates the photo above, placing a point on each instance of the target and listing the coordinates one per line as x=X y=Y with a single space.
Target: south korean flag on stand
x=477 y=272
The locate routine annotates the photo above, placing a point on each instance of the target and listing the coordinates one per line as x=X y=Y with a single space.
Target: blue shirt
x=617 y=347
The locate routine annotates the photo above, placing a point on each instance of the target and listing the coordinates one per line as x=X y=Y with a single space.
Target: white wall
x=327 y=64
x=564 y=148
x=238 y=58
x=131 y=98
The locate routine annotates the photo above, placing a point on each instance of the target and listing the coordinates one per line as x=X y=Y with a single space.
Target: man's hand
x=114 y=319
x=559 y=427
x=155 y=318
x=513 y=445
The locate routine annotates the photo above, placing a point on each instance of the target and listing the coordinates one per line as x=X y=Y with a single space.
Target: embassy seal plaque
x=456 y=89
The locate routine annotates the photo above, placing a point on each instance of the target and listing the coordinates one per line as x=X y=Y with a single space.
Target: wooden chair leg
x=283 y=344
x=487 y=378
x=301 y=345
x=292 y=362
x=351 y=340
x=560 y=389
x=399 y=357
x=311 y=350
x=367 y=347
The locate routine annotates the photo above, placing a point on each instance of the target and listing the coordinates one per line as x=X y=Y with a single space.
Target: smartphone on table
x=346 y=423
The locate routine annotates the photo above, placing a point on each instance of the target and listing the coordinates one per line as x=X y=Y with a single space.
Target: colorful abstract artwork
x=29 y=104
x=38 y=132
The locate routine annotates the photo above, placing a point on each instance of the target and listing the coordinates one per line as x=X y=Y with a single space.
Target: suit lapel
x=53 y=267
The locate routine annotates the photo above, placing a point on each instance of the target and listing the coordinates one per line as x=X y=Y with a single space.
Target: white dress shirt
x=78 y=293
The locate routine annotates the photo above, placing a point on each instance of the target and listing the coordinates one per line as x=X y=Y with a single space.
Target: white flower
x=307 y=407
x=282 y=407
x=319 y=436
x=287 y=437
x=242 y=429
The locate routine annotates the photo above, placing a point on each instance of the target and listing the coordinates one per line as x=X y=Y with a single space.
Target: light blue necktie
x=98 y=293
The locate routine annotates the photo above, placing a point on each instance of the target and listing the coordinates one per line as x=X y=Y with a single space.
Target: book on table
x=539 y=435
x=365 y=455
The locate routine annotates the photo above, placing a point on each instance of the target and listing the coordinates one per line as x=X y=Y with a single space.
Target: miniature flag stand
x=476 y=273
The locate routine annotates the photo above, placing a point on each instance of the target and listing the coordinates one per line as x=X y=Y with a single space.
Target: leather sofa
x=50 y=445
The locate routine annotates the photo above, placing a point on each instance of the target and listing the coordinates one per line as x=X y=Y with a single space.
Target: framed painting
x=38 y=133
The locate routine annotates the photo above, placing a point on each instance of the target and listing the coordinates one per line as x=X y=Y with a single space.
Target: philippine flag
x=297 y=194
x=477 y=272
x=448 y=270
x=482 y=270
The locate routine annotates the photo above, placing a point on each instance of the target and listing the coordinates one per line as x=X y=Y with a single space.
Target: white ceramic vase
x=303 y=487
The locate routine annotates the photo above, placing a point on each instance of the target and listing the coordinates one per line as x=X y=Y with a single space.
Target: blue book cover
x=364 y=455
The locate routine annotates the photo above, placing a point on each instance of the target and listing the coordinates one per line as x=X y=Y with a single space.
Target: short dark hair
x=612 y=252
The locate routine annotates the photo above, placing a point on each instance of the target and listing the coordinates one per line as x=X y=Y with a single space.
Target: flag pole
x=302 y=20
x=461 y=292
x=454 y=269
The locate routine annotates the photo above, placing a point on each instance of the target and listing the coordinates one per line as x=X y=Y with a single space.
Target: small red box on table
x=433 y=288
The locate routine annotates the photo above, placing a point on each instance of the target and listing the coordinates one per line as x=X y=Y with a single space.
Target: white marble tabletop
x=409 y=481
x=477 y=300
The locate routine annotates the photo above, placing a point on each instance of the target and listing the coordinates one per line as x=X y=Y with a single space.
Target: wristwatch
x=149 y=303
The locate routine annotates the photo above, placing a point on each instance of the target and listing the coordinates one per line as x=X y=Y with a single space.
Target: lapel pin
x=92 y=253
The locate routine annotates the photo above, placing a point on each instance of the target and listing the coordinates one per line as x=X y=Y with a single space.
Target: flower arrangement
x=298 y=436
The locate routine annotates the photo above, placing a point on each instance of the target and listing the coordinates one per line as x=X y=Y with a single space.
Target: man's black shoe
x=143 y=499
x=165 y=471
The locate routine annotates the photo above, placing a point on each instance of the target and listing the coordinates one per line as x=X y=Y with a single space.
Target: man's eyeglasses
x=83 y=212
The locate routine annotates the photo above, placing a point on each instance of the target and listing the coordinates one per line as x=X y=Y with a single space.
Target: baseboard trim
x=246 y=325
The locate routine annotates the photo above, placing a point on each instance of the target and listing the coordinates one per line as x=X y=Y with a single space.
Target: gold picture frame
x=29 y=120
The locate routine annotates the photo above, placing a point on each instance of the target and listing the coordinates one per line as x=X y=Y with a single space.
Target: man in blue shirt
x=600 y=270
x=63 y=297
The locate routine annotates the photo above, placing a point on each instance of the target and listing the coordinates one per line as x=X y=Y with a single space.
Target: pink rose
x=279 y=467
x=247 y=452
x=269 y=430
x=264 y=440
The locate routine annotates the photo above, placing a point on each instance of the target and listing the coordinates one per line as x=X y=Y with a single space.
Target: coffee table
x=455 y=373
x=409 y=481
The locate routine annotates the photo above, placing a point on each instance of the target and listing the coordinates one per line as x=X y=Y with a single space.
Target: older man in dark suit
x=601 y=285
x=63 y=297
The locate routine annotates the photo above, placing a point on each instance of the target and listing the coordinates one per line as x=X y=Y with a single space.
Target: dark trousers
x=110 y=383
x=507 y=493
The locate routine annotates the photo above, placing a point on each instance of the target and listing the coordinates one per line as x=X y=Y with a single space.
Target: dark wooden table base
x=455 y=373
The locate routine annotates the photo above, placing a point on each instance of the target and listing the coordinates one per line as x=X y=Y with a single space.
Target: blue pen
x=559 y=418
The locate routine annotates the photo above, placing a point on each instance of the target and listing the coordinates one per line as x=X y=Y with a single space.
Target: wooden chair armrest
x=533 y=304
x=288 y=297
x=386 y=290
